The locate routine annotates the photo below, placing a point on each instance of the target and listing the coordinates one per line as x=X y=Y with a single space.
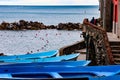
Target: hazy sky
x=48 y=2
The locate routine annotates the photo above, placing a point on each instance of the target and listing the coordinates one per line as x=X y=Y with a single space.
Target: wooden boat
x=51 y=59
x=45 y=64
x=81 y=72
x=33 y=55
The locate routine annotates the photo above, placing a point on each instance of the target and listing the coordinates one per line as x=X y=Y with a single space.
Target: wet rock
x=1 y=54
x=51 y=27
x=25 y=25
x=4 y=25
x=68 y=26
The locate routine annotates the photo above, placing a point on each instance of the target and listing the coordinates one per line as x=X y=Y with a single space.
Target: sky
x=48 y=2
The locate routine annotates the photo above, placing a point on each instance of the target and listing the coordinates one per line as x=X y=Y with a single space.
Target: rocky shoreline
x=30 y=25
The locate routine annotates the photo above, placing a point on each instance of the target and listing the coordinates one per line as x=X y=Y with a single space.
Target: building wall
x=101 y=2
x=109 y=18
x=118 y=20
x=106 y=13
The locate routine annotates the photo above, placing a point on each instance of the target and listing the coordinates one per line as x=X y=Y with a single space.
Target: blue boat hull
x=87 y=72
x=59 y=64
x=33 y=55
x=116 y=77
x=98 y=70
x=51 y=59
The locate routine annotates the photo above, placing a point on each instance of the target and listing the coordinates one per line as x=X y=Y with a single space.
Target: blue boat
x=45 y=64
x=97 y=70
x=33 y=55
x=55 y=76
x=81 y=72
x=51 y=59
x=45 y=76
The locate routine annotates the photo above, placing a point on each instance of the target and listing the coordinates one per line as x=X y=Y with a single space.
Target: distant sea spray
x=49 y=15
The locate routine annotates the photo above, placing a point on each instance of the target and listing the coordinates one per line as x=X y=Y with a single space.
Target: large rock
x=68 y=26
x=25 y=25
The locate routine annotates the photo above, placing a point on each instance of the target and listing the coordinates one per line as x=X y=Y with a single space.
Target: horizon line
x=49 y=5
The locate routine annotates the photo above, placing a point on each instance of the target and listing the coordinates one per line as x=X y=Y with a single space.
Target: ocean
x=22 y=42
x=49 y=15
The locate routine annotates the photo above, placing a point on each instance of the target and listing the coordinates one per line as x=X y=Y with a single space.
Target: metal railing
x=97 y=44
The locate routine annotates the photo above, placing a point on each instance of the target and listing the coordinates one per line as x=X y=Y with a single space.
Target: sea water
x=49 y=15
x=22 y=42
